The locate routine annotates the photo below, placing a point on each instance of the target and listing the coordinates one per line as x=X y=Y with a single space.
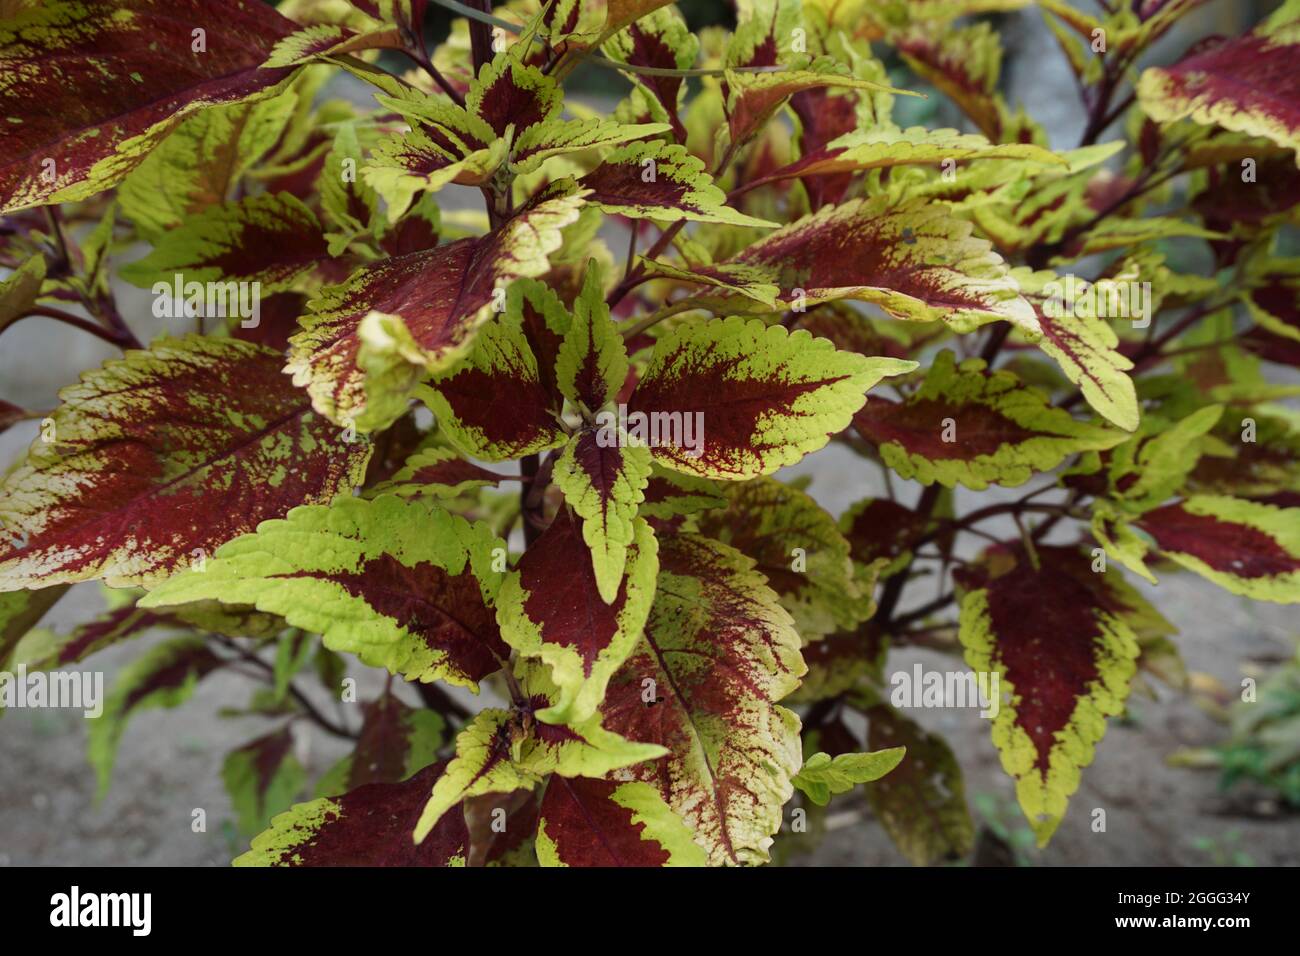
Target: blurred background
x=1158 y=814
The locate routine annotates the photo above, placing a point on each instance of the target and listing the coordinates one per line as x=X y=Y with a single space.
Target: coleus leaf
x=601 y=475
x=438 y=473
x=964 y=64
x=661 y=40
x=162 y=456
x=93 y=87
x=349 y=205
x=400 y=584
x=370 y=340
x=501 y=751
x=1059 y=639
x=671 y=494
x=913 y=259
x=270 y=239
x=717 y=654
x=466 y=399
x=20 y=290
x=263 y=778
x=879 y=529
x=1249 y=548
x=604 y=484
x=511 y=115
x=19 y=613
x=765 y=397
x=1153 y=466
x=557 y=137
x=840 y=662
x=327 y=39
x=798 y=548
x=887 y=146
x=753 y=98
x=509 y=842
x=588 y=822
x=396 y=742
x=551 y=608
x=199 y=164
x=968 y=426
x=823 y=775
x=368 y=826
x=1248 y=84
x=922 y=803
x=117 y=624
x=164 y=676
x=591 y=365
x=1085 y=347
x=651 y=179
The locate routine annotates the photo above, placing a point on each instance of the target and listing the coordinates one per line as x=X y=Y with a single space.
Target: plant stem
x=111 y=336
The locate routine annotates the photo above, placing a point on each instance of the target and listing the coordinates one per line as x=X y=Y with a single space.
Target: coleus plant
x=687 y=654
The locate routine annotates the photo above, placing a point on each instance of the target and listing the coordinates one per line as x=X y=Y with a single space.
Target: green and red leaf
x=1059 y=638
x=401 y=584
x=717 y=654
x=765 y=397
x=165 y=676
x=968 y=426
x=262 y=777
x=163 y=456
x=651 y=179
x=92 y=87
x=587 y=822
x=797 y=547
x=368 y=826
x=914 y=260
x=369 y=341
x=1249 y=548
x=396 y=742
x=1249 y=84
x=551 y=608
